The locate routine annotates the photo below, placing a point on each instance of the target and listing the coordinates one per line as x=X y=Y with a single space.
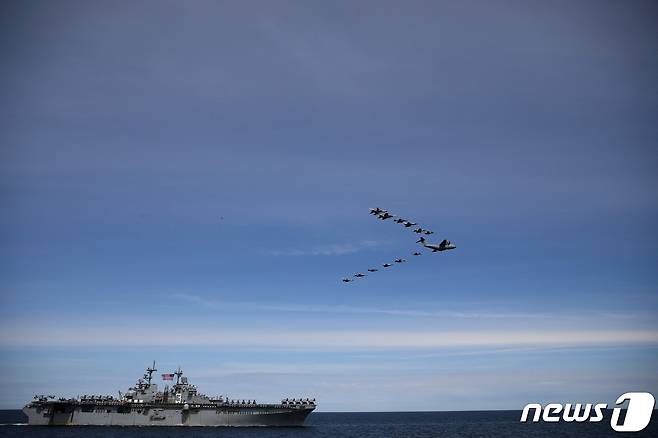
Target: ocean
x=466 y=424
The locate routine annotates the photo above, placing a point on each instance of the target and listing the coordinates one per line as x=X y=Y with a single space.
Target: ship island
x=179 y=405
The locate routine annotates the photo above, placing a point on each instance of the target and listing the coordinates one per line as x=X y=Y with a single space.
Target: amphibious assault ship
x=178 y=405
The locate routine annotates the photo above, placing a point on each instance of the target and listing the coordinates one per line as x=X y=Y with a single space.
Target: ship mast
x=149 y=372
x=178 y=374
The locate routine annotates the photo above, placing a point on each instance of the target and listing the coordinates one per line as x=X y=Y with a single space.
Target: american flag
x=167 y=377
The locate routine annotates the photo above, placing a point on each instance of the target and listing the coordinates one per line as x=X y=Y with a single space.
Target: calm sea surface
x=356 y=424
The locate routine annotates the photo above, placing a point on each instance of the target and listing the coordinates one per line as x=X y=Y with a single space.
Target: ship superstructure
x=179 y=405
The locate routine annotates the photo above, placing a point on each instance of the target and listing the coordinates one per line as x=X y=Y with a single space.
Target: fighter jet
x=408 y=224
x=376 y=211
x=416 y=254
x=347 y=280
x=399 y=220
x=443 y=246
x=419 y=230
x=399 y=260
x=372 y=270
x=428 y=232
x=387 y=265
x=359 y=275
x=384 y=215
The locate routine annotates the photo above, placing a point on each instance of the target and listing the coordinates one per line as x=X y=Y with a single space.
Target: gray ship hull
x=63 y=414
x=179 y=405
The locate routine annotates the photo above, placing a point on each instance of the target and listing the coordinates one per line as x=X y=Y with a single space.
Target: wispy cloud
x=342 y=309
x=412 y=313
x=320 y=308
x=308 y=339
x=332 y=249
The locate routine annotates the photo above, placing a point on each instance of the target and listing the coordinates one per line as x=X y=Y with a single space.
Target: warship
x=178 y=405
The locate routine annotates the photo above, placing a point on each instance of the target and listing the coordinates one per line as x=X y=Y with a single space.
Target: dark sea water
x=355 y=424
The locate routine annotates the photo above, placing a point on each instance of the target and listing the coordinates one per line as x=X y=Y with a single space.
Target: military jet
x=372 y=270
x=399 y=260
x=399 y=220
x=416 y=253
x=443 y=246
x=347 y=280
x=428 y=232
x=419 y=230
x=387 y=265
x=376 y=211
x=408 y=224
x=384 y=215
x=359 y=275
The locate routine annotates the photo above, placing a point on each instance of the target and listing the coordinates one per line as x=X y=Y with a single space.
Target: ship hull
x=71 y=415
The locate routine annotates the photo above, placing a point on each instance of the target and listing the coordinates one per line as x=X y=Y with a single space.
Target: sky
x=187 y=182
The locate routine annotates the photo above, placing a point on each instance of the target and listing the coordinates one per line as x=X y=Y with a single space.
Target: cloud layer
x=124 y=335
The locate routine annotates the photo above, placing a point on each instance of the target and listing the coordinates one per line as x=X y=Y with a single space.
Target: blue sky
x=189 y=182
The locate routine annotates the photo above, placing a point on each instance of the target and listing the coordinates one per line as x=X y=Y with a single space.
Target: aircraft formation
x=381 y=214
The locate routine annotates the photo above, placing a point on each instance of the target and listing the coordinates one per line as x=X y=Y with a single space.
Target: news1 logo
x=638 y=412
